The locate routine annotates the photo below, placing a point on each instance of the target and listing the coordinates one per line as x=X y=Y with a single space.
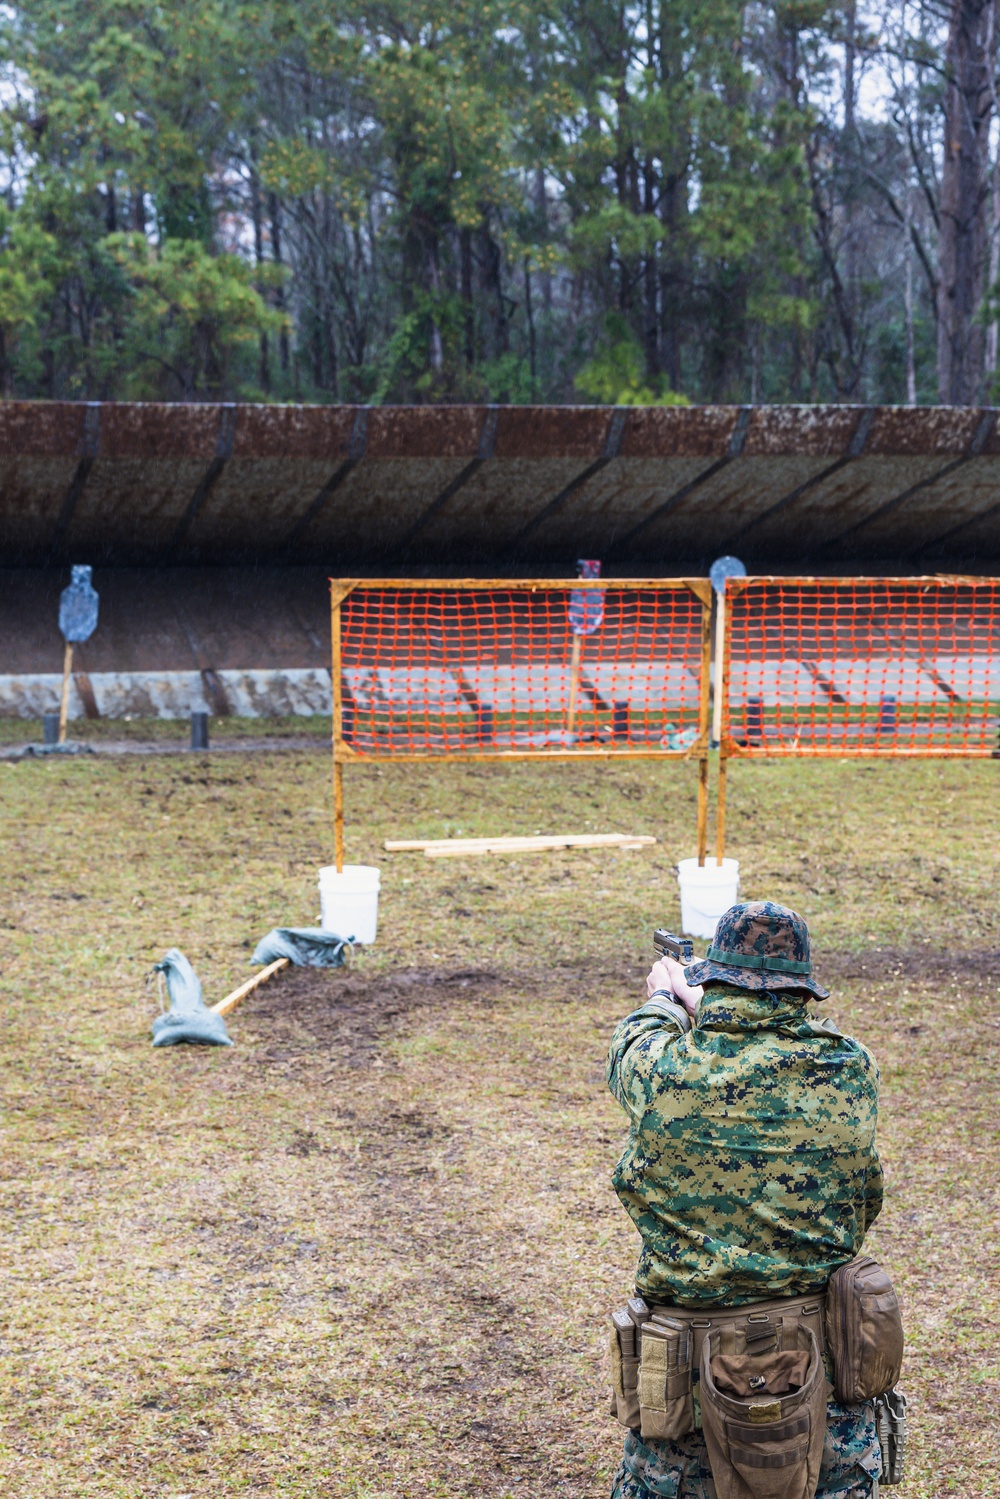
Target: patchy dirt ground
x=370 y=1250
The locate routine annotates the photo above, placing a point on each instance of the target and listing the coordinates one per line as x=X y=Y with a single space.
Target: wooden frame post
x=720 y=637
x=338 y=815
x=720 y=812
x=702 y=810
x=722 y=731
x=703 y=715
x=338 y=734
x=64 y=700
x=341 y=750
x=239 y=995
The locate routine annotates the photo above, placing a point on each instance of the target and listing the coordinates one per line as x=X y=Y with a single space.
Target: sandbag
x=189 y=1018
x=306 y=946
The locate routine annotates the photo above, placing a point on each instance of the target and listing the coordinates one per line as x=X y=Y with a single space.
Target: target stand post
x=574 y=681
x=64 y=697
x=721 y=571
x=724 y=733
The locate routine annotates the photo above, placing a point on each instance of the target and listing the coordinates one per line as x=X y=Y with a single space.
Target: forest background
x=561 y=200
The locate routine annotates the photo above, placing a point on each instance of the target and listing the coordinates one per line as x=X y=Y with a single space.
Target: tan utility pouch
x=666 y=1404
x=624 y=1368
x=864 y=1331
x=763 y=1411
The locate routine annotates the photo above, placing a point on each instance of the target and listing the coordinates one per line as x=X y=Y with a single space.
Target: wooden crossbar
x=453 y=848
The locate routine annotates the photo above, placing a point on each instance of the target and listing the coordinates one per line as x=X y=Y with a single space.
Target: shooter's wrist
x=664 y=1002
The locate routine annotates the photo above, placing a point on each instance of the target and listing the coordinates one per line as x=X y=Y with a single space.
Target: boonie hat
x=759 y=945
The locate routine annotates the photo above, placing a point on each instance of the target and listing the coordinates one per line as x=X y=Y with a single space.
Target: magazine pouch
x=625 y=1368
x=666 y=1404
x=763 y=1410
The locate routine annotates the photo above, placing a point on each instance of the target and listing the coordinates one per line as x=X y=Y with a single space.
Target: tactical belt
x=761 y=1375
x=761 y=1381
x=757 y=1320
x=656 y=1352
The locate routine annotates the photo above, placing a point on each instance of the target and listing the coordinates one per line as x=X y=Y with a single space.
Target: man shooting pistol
x=752 y=1176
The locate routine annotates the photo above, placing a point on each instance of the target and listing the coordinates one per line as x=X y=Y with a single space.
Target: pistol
x=669 y=946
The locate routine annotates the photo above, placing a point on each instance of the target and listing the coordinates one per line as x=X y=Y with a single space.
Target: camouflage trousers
x=681 y=1470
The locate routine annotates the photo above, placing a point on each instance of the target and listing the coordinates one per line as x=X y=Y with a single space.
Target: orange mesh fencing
x=466 y=670
x=861 y=666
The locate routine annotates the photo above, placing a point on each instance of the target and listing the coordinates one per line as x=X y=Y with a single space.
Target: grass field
x=371 y=1249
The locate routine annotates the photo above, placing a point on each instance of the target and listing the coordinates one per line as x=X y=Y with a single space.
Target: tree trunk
x=993 y=243
x=493 y=280
x=911 y=364
x=468 y=305
x=849 y=152
x=964 y=185
x=274 y=213
x=651 y=279
x=542 y=209
x=256 y=211
x=434 y=277
x=529 y=313
x=671 y=262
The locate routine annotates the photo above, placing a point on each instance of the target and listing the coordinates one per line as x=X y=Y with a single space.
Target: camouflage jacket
x=750 y=1169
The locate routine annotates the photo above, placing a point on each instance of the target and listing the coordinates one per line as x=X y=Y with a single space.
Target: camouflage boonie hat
x=759 y=945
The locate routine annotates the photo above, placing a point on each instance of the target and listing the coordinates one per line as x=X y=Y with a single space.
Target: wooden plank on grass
x=454 y=848
x=507 y=847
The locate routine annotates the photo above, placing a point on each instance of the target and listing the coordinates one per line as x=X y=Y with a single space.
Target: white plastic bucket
x=349 y=901
x=707 y=891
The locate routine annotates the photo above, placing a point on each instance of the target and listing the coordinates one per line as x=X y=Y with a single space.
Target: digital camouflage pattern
x=650 y=1470
x=750 y=1169
x=759 y=932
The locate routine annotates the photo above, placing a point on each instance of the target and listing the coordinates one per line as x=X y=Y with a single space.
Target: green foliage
x=193 y=317
x=508 y=380
x=615 y=375
x=27 y=271
x=485 y=199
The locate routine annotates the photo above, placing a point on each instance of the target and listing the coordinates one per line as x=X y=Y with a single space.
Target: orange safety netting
x=498 y=670
x=888 y=666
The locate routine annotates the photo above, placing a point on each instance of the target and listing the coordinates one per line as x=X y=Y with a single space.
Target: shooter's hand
x=667 y=973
